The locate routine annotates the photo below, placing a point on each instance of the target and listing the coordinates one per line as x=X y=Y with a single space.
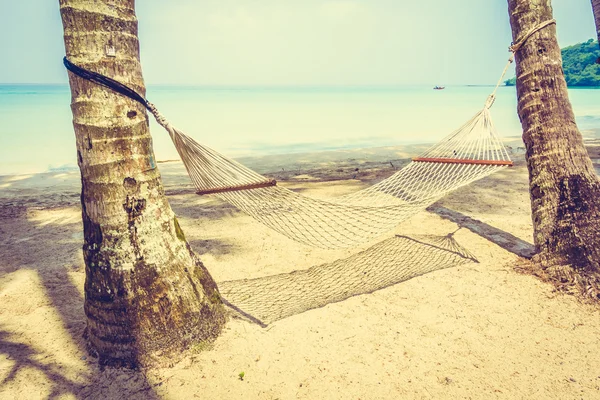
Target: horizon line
x=268 y=86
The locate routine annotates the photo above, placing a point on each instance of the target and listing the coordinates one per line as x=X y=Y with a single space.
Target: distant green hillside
x=579 y=64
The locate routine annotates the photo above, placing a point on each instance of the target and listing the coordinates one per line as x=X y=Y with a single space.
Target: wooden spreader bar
x=463 y=161
x=271 y=182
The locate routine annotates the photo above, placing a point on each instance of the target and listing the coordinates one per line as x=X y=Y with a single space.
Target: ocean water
x=36 y=133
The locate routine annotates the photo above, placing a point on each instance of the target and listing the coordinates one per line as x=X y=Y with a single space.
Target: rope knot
x=162 y=121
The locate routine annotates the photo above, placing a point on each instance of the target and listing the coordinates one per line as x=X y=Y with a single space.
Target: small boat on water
x=439 y=88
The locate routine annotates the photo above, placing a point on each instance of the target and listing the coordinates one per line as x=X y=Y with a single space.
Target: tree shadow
x=216 y=247
x=190 y=205
x=24 y=356
x=503 y=239
x=397 y=259
x=25 y=240
x=99 y=385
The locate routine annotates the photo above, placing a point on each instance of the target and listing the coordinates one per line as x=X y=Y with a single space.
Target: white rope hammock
x=470 y=153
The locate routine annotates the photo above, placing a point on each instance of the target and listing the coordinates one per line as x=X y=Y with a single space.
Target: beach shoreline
x=241 y=123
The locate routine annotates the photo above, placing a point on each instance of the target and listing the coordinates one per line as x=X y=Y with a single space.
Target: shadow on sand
x=24 y=241
x=397 y=259
x=503 y=239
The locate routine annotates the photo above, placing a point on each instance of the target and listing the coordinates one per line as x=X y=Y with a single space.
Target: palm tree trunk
x=564 y=188
x=147 y=296
x=596 y=10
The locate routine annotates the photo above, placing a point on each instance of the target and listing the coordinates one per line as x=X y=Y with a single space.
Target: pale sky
x=293 y=42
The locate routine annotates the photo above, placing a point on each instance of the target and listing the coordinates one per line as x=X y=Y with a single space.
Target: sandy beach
x=437 y=309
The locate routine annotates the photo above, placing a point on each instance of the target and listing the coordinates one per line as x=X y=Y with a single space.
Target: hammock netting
x=470 y=153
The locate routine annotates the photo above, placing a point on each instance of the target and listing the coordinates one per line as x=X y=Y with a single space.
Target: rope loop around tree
x=514 y=47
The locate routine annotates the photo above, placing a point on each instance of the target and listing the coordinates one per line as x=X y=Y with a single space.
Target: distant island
x=579 y=64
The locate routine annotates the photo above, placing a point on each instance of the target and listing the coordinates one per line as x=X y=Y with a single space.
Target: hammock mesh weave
x=470 y=153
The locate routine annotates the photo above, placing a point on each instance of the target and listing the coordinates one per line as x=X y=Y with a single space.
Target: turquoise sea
x=36 y=133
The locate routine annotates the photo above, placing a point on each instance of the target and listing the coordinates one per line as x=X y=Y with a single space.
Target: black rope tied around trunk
x=106 y=82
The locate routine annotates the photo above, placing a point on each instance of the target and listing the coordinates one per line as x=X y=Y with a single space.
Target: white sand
x=478 y=330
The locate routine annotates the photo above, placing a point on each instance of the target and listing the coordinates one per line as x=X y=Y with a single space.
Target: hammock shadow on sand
x=397 y=259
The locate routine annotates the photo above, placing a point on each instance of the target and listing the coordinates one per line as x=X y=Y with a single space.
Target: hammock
x=470 y=153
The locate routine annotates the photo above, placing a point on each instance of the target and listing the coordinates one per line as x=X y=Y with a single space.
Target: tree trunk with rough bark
x=596 y=11
x=564 y=187
x=147 y=296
